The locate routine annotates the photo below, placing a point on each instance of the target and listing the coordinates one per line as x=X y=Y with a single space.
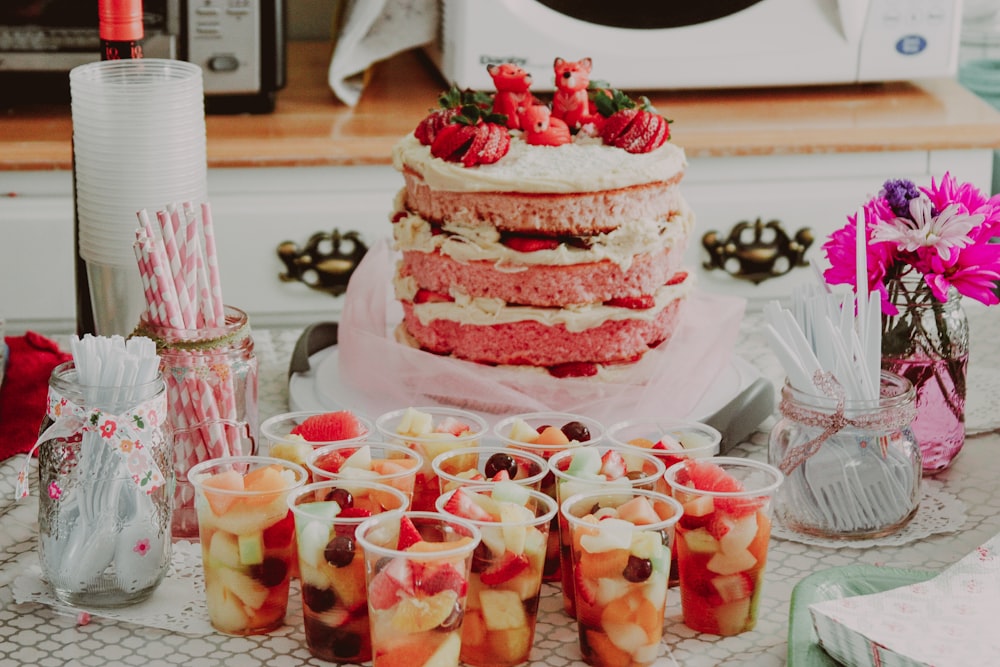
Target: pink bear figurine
x=512 y=95
x=541 y=128
x=570 y=102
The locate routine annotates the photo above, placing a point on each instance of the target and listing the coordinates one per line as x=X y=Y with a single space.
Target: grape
x=498 y=462
x=576 y=431
x=638 y=569
x=542 y=427
x=454 y=618
x=343 y=497
x=481 y=558
x=339 y=551
x=271 y=572
x=635 y=474
x=318 y=599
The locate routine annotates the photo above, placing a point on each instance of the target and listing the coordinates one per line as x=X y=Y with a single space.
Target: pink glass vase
x=927 y=342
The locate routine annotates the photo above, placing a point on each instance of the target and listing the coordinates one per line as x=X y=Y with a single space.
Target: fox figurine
x=569 y=101
x=541 y=128
x=512 y=96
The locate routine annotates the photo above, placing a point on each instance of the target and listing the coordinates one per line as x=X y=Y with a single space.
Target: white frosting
x=467 y=243
x=584 y=165
x=483 y=311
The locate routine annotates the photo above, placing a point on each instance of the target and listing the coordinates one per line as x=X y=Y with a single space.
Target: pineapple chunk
x=502 y=610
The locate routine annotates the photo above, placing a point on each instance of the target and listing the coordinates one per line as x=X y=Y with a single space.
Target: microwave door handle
x=852 y=15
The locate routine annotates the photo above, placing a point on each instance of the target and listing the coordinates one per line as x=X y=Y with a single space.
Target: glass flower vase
x=927 y=342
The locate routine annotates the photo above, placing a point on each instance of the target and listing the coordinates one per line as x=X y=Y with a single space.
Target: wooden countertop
x=311 y=127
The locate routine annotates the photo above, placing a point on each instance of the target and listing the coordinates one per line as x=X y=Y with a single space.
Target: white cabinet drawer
x=814 y=192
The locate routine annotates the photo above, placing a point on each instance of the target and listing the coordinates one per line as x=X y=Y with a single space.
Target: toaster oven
x=239 y=44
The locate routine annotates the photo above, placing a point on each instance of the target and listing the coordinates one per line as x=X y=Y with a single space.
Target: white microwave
x=664 y=45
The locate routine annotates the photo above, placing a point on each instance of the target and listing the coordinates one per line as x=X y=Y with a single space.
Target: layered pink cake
x=532 y=241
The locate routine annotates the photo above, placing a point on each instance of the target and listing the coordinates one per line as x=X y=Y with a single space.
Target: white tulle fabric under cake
x=667 y=382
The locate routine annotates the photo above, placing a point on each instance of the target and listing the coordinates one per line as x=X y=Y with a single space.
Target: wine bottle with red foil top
x=121 y=29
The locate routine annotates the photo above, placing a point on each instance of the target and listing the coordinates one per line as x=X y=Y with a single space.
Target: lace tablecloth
x=33 y=633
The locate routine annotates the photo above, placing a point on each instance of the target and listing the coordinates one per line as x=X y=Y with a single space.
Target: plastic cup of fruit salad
x=722 y=539
x=430 y=431
x=544 y=434
x=487 y=464
x=417 y=569
x=359 y=464
x=332 y=567
x=506 y=574
x=671 y=440
x=247 y=539
x=620 y=541
x=591 y=469
x=293 y=435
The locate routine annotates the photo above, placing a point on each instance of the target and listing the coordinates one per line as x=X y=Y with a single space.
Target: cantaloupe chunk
x=229 y=480
x=551 y=436
x=266 y=483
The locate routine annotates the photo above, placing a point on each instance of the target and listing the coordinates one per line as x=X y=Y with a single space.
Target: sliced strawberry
x=391 y=583
x=636 y=129
x=408 y=534
x=612 y=465
x=451 y=425
x=642 y=302
x=573 y=369
x=501 y=476
x=427 y=296
x=443 y=578
x=431 y=124
x=677 y=278
x=496 y=146
x=510 y=565
x=279 y=535
x=330 y=426
x=400 y=571
x=354 y=513
x=523 y=243
x=460 y=504
x=332 y=461
x=733 y=587
x=452 y=141
x=586 y=590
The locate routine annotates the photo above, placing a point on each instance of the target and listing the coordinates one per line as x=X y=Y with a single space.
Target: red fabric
x=25 y=387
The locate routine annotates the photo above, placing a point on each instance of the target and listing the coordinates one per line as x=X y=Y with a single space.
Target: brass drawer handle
x=325 y=263
x=756 y=251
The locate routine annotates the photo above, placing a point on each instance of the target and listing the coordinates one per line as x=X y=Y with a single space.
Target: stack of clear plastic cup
x=138 y=143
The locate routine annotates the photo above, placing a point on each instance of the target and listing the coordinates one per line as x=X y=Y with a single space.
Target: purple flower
x=898 y=193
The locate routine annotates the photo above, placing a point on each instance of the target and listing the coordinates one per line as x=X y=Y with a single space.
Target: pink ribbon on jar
x=831 y=423
x=132 y=435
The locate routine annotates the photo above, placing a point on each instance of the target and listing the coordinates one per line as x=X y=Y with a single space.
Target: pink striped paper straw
x=173 y=255
x=214 y=281
x=164 y=287
x=192 y=248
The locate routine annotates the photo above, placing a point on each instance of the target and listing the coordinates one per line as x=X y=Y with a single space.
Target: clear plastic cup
x=722 y=539
x=247 y=541
x=332 y=567
x=483 y=464
x=618 y=467
x=394 y=465
x=279 y=441
x=517 y=430
x=621 y=556
x=417 y=588
x=430 y=431
x=505 y=582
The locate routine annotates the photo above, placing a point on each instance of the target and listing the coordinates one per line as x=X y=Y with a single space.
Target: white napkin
x=947 y=621
x=374 y=30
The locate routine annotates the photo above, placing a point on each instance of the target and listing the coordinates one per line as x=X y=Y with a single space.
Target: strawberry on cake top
x=540 y=243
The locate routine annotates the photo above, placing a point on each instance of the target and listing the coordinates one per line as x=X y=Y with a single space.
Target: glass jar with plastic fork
x=852 y=467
